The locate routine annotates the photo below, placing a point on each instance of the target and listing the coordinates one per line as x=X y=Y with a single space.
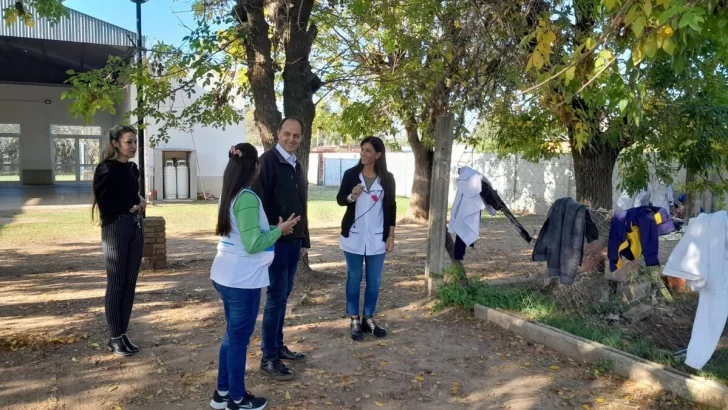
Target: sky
x=160 y=18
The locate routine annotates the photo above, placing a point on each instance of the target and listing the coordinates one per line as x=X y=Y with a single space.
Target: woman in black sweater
x=367 y=232
x=116 y=194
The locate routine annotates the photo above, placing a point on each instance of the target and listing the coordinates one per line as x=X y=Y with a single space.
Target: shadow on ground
x=52 y=306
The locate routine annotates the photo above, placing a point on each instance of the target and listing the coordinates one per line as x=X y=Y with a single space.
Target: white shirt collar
x=291 y=158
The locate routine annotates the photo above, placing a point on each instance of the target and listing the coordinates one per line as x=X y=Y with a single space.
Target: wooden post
x=439 y=188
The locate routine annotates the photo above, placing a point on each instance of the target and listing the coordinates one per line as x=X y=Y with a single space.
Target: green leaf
x=647 y=8
x=537 y=60
x=569 y=75
x=685 y=20
x=590 y=43
x=623 y=105
x=637 y=54
x=667 y=14
x=650 y=47
x=639 y=25
x=610 y=4
x=669 y=46
x=695 y=23
x=632 y=14
x=71 y=72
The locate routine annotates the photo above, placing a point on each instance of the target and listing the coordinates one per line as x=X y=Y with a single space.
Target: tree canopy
x=642 y=81
x=591 y=80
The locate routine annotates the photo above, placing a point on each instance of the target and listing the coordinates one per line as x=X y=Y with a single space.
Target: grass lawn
x=39 y=226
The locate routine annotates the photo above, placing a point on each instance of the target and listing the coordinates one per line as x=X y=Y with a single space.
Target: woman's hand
x=390 y=244
x=142 y=204
x=356 y=192
x=286 y=227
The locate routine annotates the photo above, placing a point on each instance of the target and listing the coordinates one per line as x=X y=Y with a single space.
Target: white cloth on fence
x=656 y=194
x=465 y=217
x=700 y=257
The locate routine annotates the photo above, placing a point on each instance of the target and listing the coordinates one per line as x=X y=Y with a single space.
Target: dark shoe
x=249 y=402
x=276 y=370
x=356 y=332
x=371 y=327
x=219 y=402
x=117 y=347
x=286 y=354
x=129 y=345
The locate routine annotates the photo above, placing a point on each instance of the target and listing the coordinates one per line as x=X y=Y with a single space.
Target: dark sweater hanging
x=116 y=189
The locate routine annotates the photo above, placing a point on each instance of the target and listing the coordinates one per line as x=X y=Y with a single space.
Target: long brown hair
x=240 y=173
x=111 y=152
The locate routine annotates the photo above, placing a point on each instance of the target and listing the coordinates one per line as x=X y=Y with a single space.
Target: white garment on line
x=656 y=194
x=700 y=257
x=465 y=217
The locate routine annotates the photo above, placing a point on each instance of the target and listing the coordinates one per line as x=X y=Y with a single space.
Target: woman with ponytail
x=116 y=195
x=240 y=271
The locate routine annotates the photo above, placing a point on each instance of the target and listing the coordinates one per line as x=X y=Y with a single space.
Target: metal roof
x=77 y=28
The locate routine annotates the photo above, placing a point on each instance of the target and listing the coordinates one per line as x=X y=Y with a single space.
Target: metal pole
x=140 y=98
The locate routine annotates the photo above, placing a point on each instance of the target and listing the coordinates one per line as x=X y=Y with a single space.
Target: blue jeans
x=374 y=267
x=282 y=273
x=241 y=311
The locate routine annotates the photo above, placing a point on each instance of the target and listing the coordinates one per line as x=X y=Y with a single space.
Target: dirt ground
x=53 y=335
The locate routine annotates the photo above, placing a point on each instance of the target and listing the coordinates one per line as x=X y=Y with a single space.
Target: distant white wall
x=523 y=186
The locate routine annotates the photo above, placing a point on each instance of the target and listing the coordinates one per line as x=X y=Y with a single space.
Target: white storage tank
x=170 y=180
x=183 y=180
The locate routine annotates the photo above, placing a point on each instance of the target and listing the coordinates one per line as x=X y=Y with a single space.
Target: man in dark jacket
x=281 y=187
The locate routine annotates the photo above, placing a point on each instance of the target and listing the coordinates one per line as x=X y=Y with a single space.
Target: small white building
x=41 y=144
x=204 y=150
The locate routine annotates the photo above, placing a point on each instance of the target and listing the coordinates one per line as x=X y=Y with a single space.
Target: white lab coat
x=656 y=194
x=465 y=216
x=365 y=235
x=700 y=257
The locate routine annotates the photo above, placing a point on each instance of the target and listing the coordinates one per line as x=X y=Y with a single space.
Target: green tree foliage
x=586 y=82
x=401 y=64
x=21 y=11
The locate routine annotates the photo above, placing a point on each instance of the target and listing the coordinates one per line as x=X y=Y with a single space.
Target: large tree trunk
x=593 y=167
x=419 y=206
x=299 y=81
x=260 y=73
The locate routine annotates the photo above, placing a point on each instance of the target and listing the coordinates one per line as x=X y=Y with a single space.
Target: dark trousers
x=282 y=273
x=122 y=242
x=459 y=248
x=241 y=310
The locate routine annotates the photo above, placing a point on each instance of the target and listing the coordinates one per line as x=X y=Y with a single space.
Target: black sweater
x=389 y=202
x=116 y=189
x=282 y=189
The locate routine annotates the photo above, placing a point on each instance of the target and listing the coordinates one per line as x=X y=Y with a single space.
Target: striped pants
x=123 y=242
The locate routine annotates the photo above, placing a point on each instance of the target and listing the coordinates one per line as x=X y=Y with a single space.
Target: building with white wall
x=205 y=149
x=41 y=144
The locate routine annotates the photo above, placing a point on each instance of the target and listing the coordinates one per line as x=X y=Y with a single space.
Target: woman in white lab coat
x=367 y=232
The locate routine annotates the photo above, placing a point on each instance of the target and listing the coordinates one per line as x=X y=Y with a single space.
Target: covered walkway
x=17 y=197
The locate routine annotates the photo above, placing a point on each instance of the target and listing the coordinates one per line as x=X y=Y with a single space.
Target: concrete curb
x=697 y=389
